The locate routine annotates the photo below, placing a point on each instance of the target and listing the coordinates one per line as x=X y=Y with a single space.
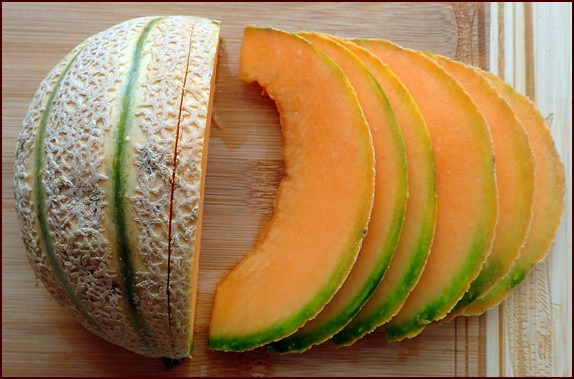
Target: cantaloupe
x=548 y=202
x=110 y=171
x=323 y=203
x=514 y=178
x=467 y=206
x=388 y=208
x=416 y=237
x=109 y=179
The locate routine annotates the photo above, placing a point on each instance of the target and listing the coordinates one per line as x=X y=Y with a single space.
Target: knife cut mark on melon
x=172 y=190
x=189 y=189
x=122 y=78
x=323 y=203
x=119 y=192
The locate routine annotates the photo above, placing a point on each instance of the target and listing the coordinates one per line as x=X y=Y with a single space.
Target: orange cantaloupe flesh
x=323 y=204
x=548 y=201
x=467 y=206
x=388 y=208
x=411 y=254
x=514 y=178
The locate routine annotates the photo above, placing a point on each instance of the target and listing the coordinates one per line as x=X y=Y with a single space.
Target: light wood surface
x=40 y=339
x=530 y=334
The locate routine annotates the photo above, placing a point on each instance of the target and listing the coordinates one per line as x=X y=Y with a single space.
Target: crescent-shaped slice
x=467 y=205
x=323 y=203
x=515 y=170
x=388 y=209
x=548 y=202
x=412 y=252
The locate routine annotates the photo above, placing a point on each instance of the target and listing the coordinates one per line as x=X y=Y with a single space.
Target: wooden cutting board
x=39 y=338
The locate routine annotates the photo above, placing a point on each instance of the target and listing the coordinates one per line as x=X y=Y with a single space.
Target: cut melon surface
x=416 y=189
x=410 y=256
x=106 y=229
x=548 y=202
x=467 y=206
x=515 y=178
x=323 y=203
x=388 y=208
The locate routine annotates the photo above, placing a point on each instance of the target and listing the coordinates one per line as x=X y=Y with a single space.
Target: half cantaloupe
x=467 y=206
x=323 y=203
x=388 y=208
x=548 y=202
x=411 y=254
x=514 y=178
x=109 y=176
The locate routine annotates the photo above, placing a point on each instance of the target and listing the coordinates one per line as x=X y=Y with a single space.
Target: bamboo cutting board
x=530 y=334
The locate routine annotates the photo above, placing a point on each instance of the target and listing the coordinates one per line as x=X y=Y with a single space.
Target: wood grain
x=532 y=329
x=40 y=339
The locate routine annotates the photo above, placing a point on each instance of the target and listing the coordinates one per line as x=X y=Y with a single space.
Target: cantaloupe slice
x=548 y=202
x=109 y=179
x=412 y=251
x=514 y=178
x=388 y=208
x=467 y=205
x=323 y=203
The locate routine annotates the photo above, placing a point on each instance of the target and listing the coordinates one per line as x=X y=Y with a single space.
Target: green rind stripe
x=40 y=202
x=438 y=306
x=477 y=287
x=118 y=181
x=502 y=288
x=303 y=339
x=252 y=341
x=301 y=342
x=358 y=328
x=290 y=325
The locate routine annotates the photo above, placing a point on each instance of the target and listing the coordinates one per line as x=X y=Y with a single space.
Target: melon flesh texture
x=467 y=206
x=548 y=202
x=408 y=262
x=323 y=203
x=388 y=208
x=514 y=178
x=96 y=163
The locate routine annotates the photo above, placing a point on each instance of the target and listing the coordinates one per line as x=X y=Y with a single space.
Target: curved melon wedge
x=467 y=206
x=413 y=249
x=323 y=203
x=548 y=202
x=388 y=208
x=514 y=178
